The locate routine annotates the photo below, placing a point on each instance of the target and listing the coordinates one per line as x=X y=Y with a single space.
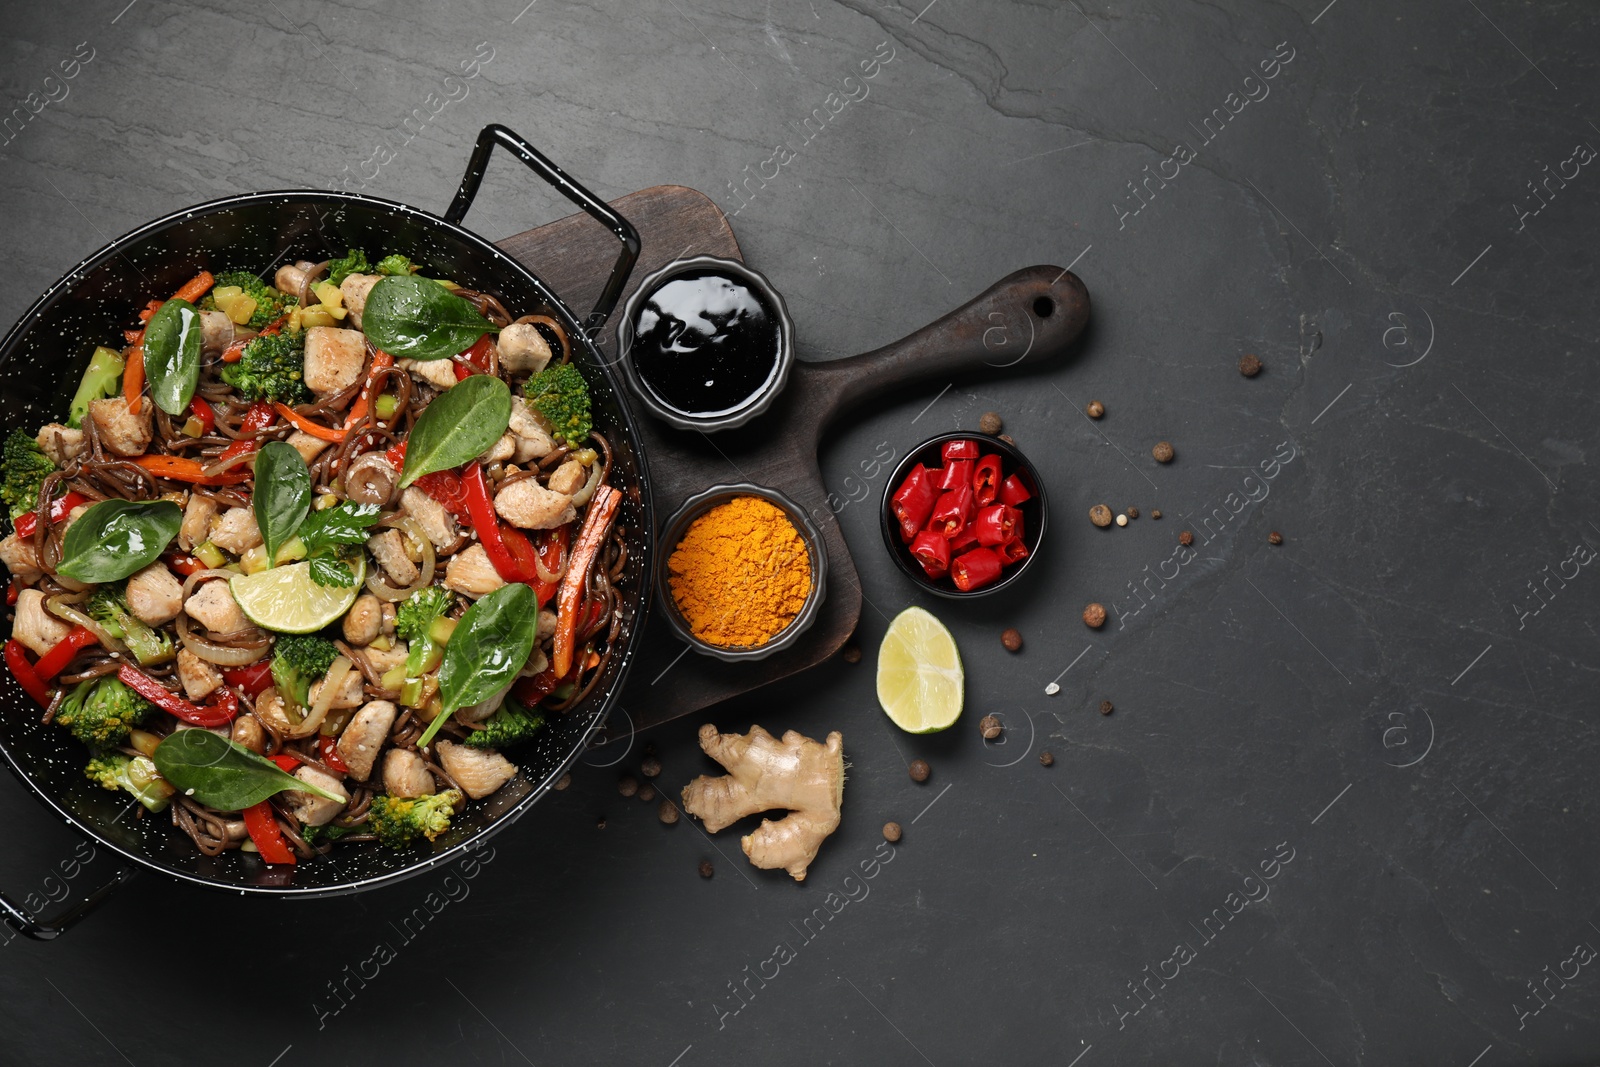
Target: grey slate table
x=1344 y=810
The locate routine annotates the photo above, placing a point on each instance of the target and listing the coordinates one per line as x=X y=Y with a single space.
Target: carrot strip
x=183 y=469
x=133 y=376
x=305 y=425
x=358 y=411
x=235 y=351
x=195 y=287
x=596 y=524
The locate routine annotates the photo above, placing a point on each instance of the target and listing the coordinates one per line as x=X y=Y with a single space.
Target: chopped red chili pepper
x=222 y=709
x=962 y=449
x=60 y=508
x=1013 y=492
x=23 y=672
x=1013 y=551
x=952 y=512
x=13 y=593
x=957 y=472
x=995 y=525
x=266 y=834
x=986 y=480
x=975 y=569
x=914 y=500
x=933 y=552
x=328 y=749
x=52 y=663
x=181 y=564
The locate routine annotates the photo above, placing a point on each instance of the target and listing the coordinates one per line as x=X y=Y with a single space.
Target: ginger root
x=765 y=774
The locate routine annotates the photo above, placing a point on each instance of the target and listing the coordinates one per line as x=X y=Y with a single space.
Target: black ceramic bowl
x=1035 y=511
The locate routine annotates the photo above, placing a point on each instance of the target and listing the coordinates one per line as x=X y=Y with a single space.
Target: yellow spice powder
x=741 y=573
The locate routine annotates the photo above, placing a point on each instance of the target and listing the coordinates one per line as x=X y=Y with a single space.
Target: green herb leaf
x=282 y=497
x=114 y=538
x=490 y=645
x=457 y=427
x=332 y=571
x=413 y=318
x=172 y=355
x=345 y=524
x=221 y=774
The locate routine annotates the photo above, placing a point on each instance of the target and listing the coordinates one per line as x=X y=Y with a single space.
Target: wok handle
x=598 y=209
x=38 y=929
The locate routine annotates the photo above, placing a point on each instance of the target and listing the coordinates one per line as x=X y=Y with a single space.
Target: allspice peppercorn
x=1100 y=515
x=627 y=786
x=989 y=726
x=1155 y=513
x=1011 y=639
x=920 y=770
x=1274 y=538
x=1249 y=366
x=891 y=832
x=1162 y=452
x=706 y=870
x=1095 y=409
x=1046 y=759
x=564 y=781
x=650 y=767
x=1132 y=513
x=851 y=654
x=667 y=812
x=1094 y=616
x=1186 y=539
x=990 y=422
x=647 y=792
x=1106 y=707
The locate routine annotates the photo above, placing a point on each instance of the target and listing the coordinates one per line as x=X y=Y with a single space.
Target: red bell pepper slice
x=1013 y=551
x=205 y=413
x=481 y=510
x=932 y=551
x=995 y=525
x=952 y=513
x=267 y=835
x=222 y=709
x=1013 y=492
x=13 y=593
x=914 y=500
x=60 y=508
x=474 y=360
x=285 y=762
x=443 y=486
x=962 y=449
x=975 y=569
x=23 y=672
x=258 y=417
x=253 y=679
x=986 y=480
x=51 y=663
x=328 y=749
x=957 y=472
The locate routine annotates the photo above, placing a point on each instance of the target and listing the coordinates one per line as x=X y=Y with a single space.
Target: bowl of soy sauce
x=706 y=343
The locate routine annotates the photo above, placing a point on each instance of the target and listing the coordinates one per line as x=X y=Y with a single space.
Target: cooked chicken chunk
x=348 y=696
x=547 y=626
x=355 y=288
x=121 y=431
x=154 y=596
x=200 y=679
x=569 y=477
x=363 y=620
x=480 y=771
x=35 y=627
x=533 y=507
x=533 y=438
x=501 y=450
x=382 y=661
x=20 y=559
x=389 y=549
x=439 y=373
x=405 y=774
x=364 y=737
x=334 y=358
x=213 y=607
x=236 y=531
x=431 y=516
x=471 y=574
x=196 y=527
x=523 y=349
x=308 y=446
x=311 y=809
x=61 y=443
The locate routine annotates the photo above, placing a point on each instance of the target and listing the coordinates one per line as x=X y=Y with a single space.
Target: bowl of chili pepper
x=964 y=514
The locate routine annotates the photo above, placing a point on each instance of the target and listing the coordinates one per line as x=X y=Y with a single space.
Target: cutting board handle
x=1025 y=320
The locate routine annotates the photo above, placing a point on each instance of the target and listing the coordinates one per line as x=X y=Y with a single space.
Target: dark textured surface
x=1427 y=371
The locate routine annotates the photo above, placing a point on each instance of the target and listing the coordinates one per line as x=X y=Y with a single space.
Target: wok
x=42 y=359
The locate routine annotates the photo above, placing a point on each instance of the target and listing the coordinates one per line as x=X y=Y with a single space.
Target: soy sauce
x=705 y=343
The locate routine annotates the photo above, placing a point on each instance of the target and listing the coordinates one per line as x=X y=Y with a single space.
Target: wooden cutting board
x=1024 y=320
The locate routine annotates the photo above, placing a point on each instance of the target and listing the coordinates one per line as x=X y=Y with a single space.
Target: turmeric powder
x=741 y=573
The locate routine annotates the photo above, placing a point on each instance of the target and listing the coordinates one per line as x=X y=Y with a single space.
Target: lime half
x=919 y=673
x=285 y=599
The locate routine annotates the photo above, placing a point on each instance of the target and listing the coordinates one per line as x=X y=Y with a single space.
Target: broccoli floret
x=270 y=304
x=327 y=832
x=562 y=397
x=102 y=379
x=23 y=469
x=414 y=622
x=299 y=660
x=273 y=367
x=109 y=607
x=101 y=711
x=397 y=820
x=342 y=268
x=511 y=725
x=136 y=774
x=395 y=263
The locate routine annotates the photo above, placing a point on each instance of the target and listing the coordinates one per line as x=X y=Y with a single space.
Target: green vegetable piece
x=343 y=524
x=172 y=355
x=24 y=467
x=102 y=379
x=282 y=498
x=136 y=774
x=353 y=263
x=562 y=397
x=270 y=304
x=297 y=661
x=457 y=427
x=413 y=318
x=108 y=606
x=397 y=821
x=395 y=263
x=272 y=367
x=102 y=711
x=512 y=725
x=224 y=775
x=490 y=645
x=114 y=538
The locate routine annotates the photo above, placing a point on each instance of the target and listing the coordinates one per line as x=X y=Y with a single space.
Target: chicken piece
x=334 y=358
x=405 y=774
x=431 y=516
x=311 y=809
x=216 y=332
x=547 y=626
x=533 y=507
x=568 y=478
x=364 y=618
x=389 y=549
x=348 y=696
x=308 y=446
x=479 y=771
x=471 y=574
x=439 y=373
x=121 y=431
x=154 y=596
x=355 y=289
x=523 y=349
x=533 y=436
x=364 y=737
x=61 y=443
x=200 y=679
x=382 y=661
x=213 y=607
x=36 y=627
x=196 y=526
x=236 y=531
x=21 y=559
x=501 y=450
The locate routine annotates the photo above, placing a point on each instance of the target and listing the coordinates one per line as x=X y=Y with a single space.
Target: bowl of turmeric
x=743 y=573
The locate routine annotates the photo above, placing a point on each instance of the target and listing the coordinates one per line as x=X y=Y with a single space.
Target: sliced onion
x=61 y=606
x=330 y=687
x=218 y=468
x=584 y=495
x=549 y=577
x=210 y=651
x=425 y=570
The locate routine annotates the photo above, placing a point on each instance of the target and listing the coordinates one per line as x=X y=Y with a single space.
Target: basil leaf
x=490 y=645
x=282 y=497
x=221 y=774
x=172 y=355
x=114 y=538
x=413 y=318
x=457 y=427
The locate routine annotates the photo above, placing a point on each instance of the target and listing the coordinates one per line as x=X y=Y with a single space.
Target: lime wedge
x=285 y=599
x=919 y=673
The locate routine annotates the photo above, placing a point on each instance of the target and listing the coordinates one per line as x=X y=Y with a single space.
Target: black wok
x=42 y=358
